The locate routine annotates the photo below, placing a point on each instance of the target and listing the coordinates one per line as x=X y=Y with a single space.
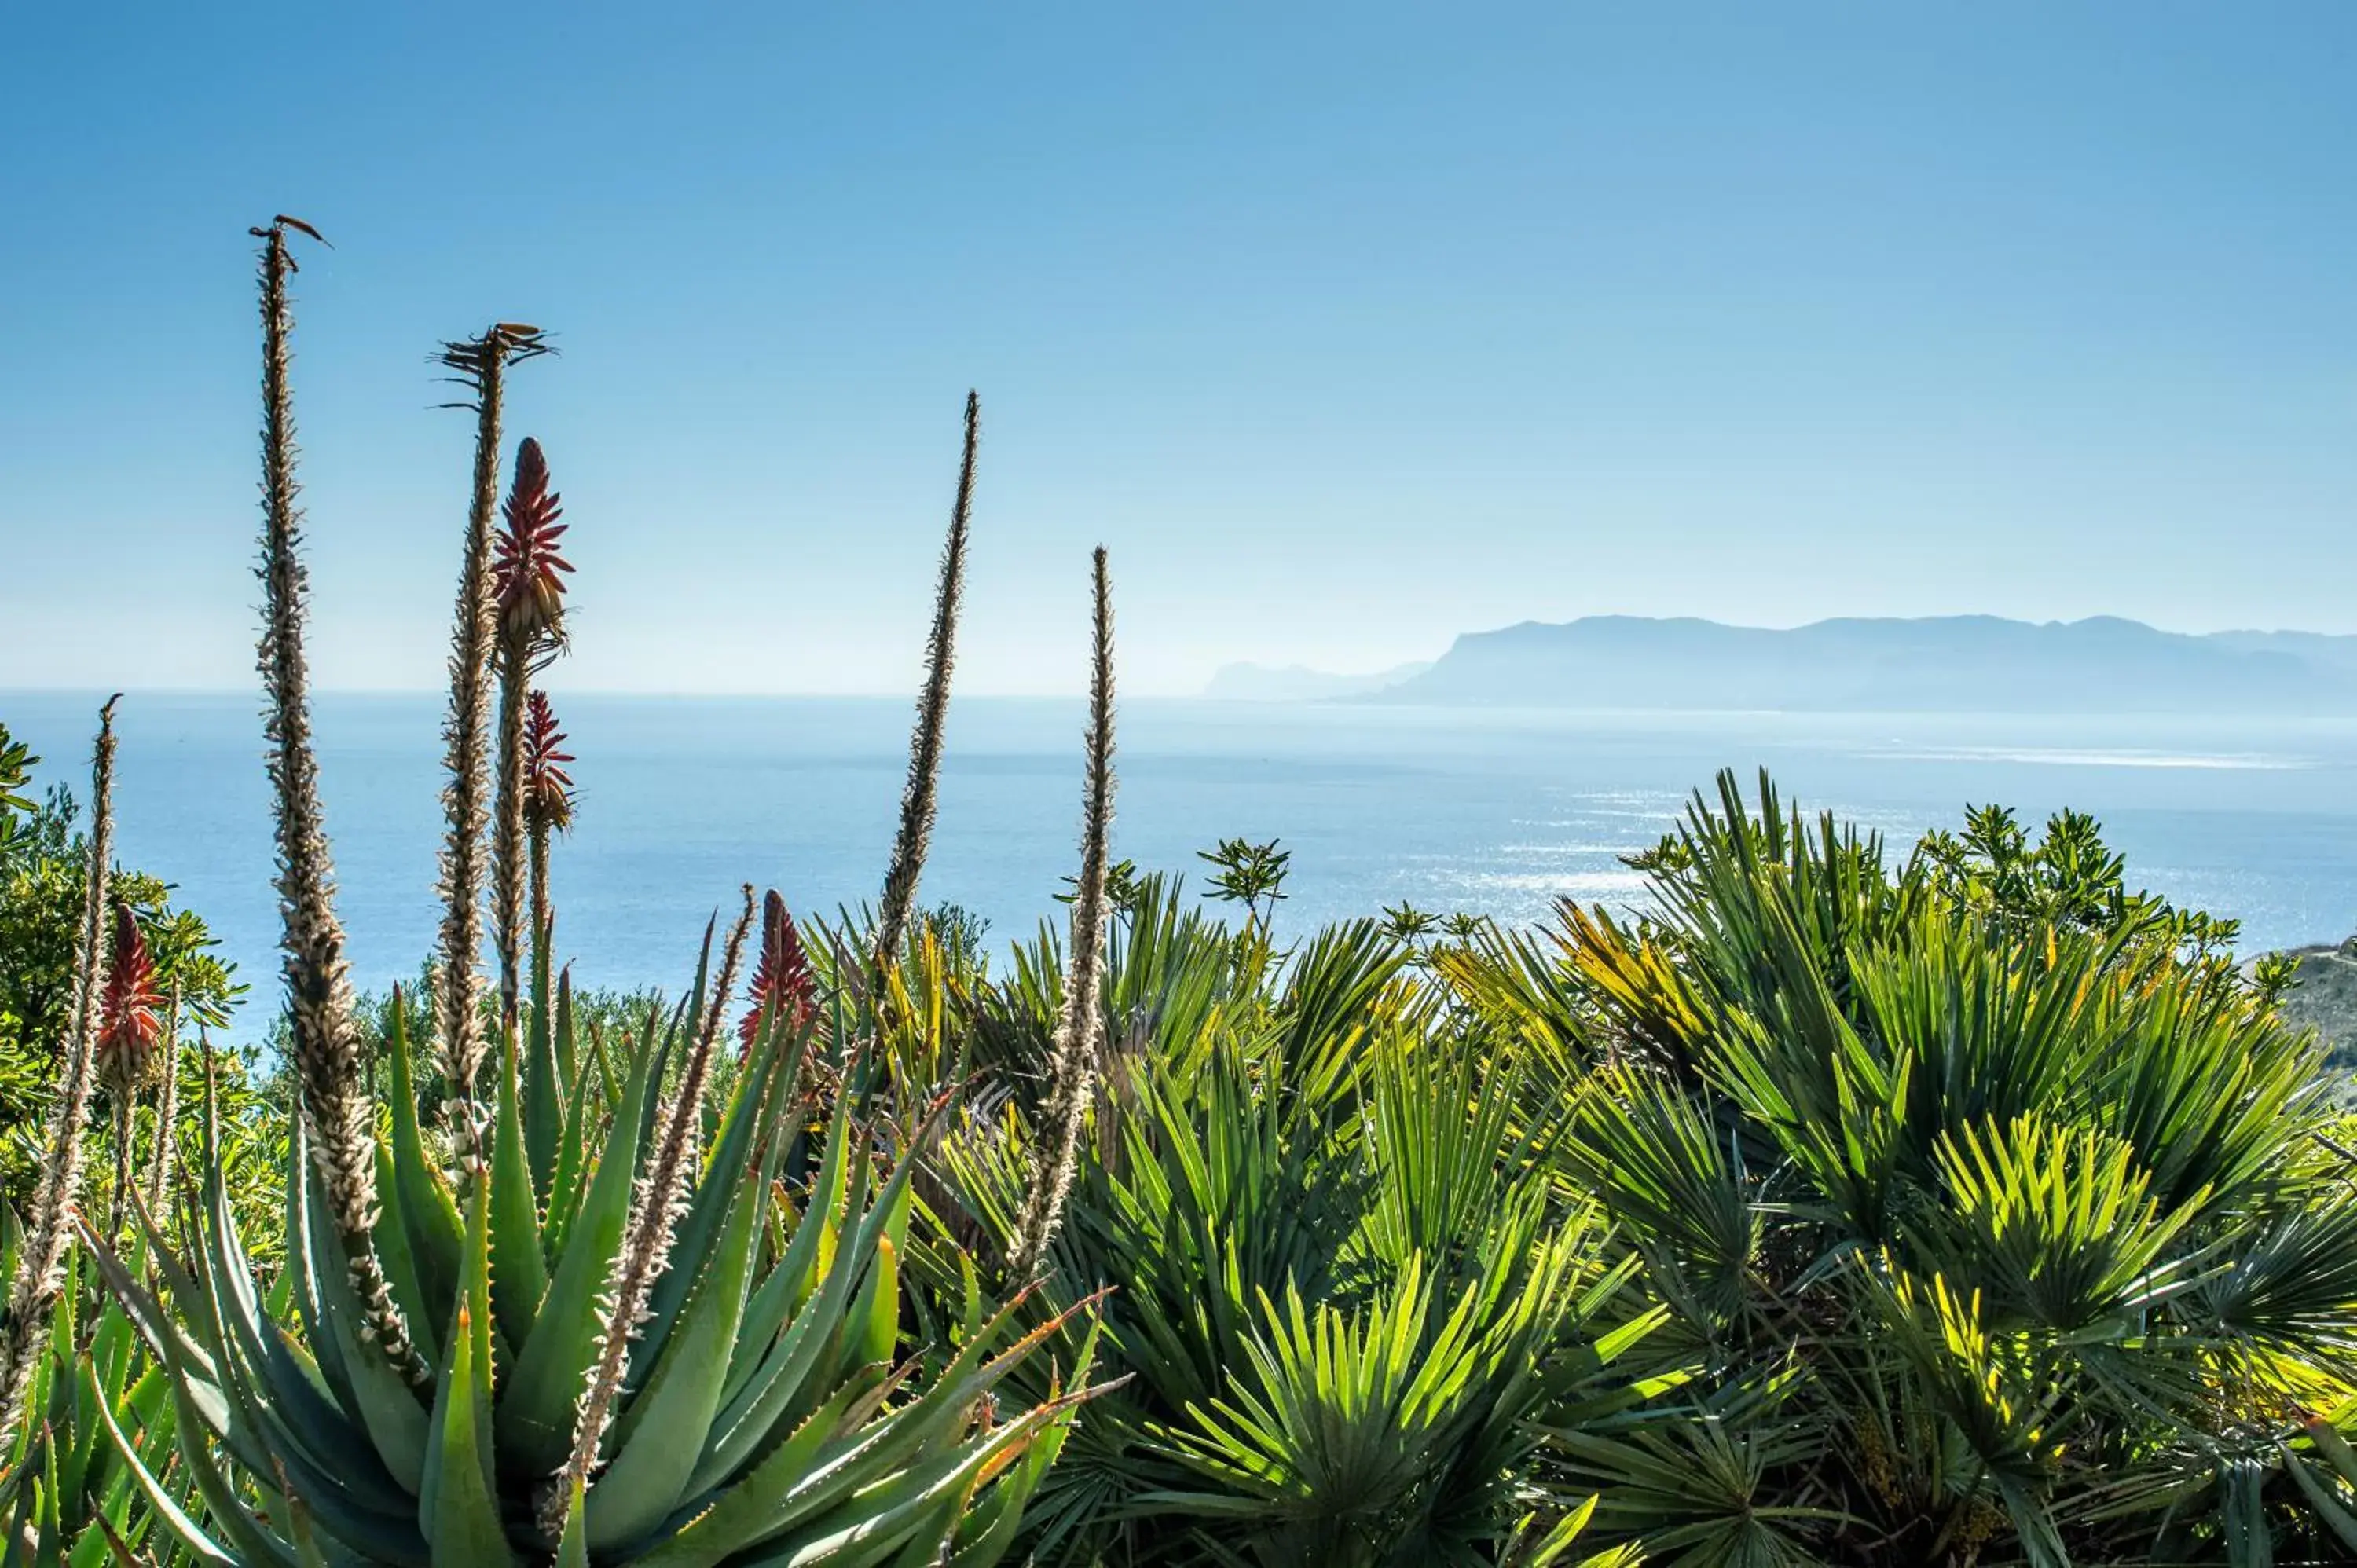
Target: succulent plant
x=618 y=1335
x=657 y=1361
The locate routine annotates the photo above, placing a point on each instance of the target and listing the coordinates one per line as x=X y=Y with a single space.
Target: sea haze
x=1492 y=809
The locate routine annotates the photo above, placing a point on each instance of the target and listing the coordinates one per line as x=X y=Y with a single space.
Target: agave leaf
x=518 y=1273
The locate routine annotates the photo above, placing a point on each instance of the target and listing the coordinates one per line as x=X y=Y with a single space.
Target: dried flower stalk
x=919 y=797
x=167 y=1108
x=479 y=364
x=40 y=1267
x=331 y=1067
x=1071 y=1070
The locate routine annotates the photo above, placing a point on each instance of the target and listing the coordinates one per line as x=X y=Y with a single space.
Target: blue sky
x=1347 y=328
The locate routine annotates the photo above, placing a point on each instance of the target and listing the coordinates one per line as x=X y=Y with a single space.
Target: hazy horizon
x=1070 y=690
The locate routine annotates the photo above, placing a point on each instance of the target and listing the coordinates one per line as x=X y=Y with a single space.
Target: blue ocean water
x=1496 y=810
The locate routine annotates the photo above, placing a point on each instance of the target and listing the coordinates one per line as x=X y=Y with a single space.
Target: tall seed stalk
x=479 y=364
x=40 y=1266
x=167 y=1107
x=1071 y=1069
x=920 y=794
x=330 y=1066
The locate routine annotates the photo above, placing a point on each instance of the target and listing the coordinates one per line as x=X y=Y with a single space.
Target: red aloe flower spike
x=130 y=1027
x=783 y=979
x=548 y=788
x=525 y=566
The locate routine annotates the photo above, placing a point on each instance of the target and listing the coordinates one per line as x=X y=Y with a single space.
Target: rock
x=2323 y=997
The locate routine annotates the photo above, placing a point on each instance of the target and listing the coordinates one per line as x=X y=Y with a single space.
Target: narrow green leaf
x=518 y=1274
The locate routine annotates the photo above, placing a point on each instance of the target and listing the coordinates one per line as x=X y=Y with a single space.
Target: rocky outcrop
x=2324 y=998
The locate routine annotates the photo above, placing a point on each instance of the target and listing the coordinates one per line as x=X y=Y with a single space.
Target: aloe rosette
x=759 y=1417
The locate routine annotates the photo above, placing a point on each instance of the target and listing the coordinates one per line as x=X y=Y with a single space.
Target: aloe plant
x=642 y=1345
x=67 y=1497
x=754 y=1413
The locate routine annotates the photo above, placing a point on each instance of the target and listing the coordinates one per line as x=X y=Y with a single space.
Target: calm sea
x=1501 y=812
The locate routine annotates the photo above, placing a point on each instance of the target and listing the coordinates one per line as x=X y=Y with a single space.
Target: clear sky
x=1347 y=328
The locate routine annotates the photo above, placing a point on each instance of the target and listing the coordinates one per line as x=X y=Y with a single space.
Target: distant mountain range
x=1949 y=663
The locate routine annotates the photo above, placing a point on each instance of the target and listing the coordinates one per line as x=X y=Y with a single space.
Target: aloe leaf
x=568 y=1054
x=277 y=1422
x=877 y=1313
x=537 y=1407
x=302 y=1272
x=385 y=1404
x=889 y=1513
x=428 y=1212
x=252 y=1543
x=459 y=1512
x=737 y=1514
x=518 y=1274
x=573 y=1547
x=300 y=1424
x=777 y=1293
x=768 y=1397
x=752 y=1110
x=988 y=1531
x=671 y=1416
x=185 y=1530
x=543 y=1085
x=572 y=1159
x=393 y=1251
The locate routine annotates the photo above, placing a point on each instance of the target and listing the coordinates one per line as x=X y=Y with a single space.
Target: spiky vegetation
x=39 y=1275
x=647 y=1311
x=1987 y=1235
x=528 y=597
x=480 y=365
x=1080 y=1030
x=919 y=796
